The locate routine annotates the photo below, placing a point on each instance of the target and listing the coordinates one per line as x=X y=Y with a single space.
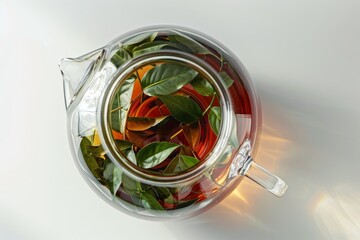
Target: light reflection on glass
x=271 y=150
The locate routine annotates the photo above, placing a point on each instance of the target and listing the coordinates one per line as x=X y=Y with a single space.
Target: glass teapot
x=163 y=122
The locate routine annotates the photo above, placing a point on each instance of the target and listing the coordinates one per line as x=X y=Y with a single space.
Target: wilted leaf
x=142 y=123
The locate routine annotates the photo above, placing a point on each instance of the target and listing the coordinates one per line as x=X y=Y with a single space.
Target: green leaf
x=113 y=175
x=183 y=109
x=148 y=47
x=143 y=123
x=226 y=79
x=162 y=192
x=130 y=185
x=155 y=153
x=90 y=160
x=188 y=161
x=141 y=38
x=121 y=105
x=120 y=57
x=123 y=145
x=149 y=202
x=181 y=163
x=193 y=45
x=202 y=86
x=166 y=78
x=127 y=149
x=215 y=119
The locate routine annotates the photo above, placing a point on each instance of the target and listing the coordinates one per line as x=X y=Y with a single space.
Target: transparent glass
x=109 y=80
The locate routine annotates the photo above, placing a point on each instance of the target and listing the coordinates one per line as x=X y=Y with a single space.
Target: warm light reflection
x=337 y=214
x=271 y=149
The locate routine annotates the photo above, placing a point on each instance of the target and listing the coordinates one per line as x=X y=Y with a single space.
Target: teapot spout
x=76 y=72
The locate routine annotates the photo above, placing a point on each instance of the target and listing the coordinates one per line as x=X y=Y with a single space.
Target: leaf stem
x=177 y=133
x=117 y=109
x=139 y=79
x=211 y=103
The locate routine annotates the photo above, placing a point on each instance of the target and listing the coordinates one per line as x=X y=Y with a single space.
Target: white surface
x=304 y=58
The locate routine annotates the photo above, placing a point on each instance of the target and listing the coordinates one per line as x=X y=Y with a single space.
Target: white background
x=304 y=59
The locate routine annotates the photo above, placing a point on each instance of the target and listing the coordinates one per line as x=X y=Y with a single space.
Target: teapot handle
x=244 y=165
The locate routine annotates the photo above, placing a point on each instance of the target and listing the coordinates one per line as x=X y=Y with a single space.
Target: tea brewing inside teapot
x=165 y=117
x=161 y=122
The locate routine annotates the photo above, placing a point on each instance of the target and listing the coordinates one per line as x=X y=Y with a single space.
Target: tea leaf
x=149 y=202
x=130 y=185
x=192 y=133
x=141 y=38
x=121 y=104
x=127 y=149
x=148 y=47
x=143 y=123
x=166 y=78
x=120 y=57
x=155 y=153
x=139 y=123
x=181 y=163
x=183 y=109
x=113 y=175
x=139 y=138
x=215 y=119
x=130 y=154
x=202 y=86
x=188 y=162
x=90 y=160
x=173 y=165
x=193 y=45
x=123 y=145
x=162 y=192
x=226 y=79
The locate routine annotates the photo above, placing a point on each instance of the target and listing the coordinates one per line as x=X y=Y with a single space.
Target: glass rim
x=124 y=71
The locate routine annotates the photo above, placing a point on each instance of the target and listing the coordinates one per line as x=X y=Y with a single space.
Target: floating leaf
x=162 y=192
x=183 y=109
x=113 y=175
x=226 y=79
x=138 y=138
x=202 y=86
x=127 y=149
x=188 y=161
x=120 y=57
x=192 y=133
x=141 y=38
x=148 y=47
x=149 y=202
x=143 y=123
x=90 y=159
x=215 y=119
x=166 y=78
x=181 y=163
x=123 y=145
x=121 y=104
x=130 y=185
x=155 y=153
